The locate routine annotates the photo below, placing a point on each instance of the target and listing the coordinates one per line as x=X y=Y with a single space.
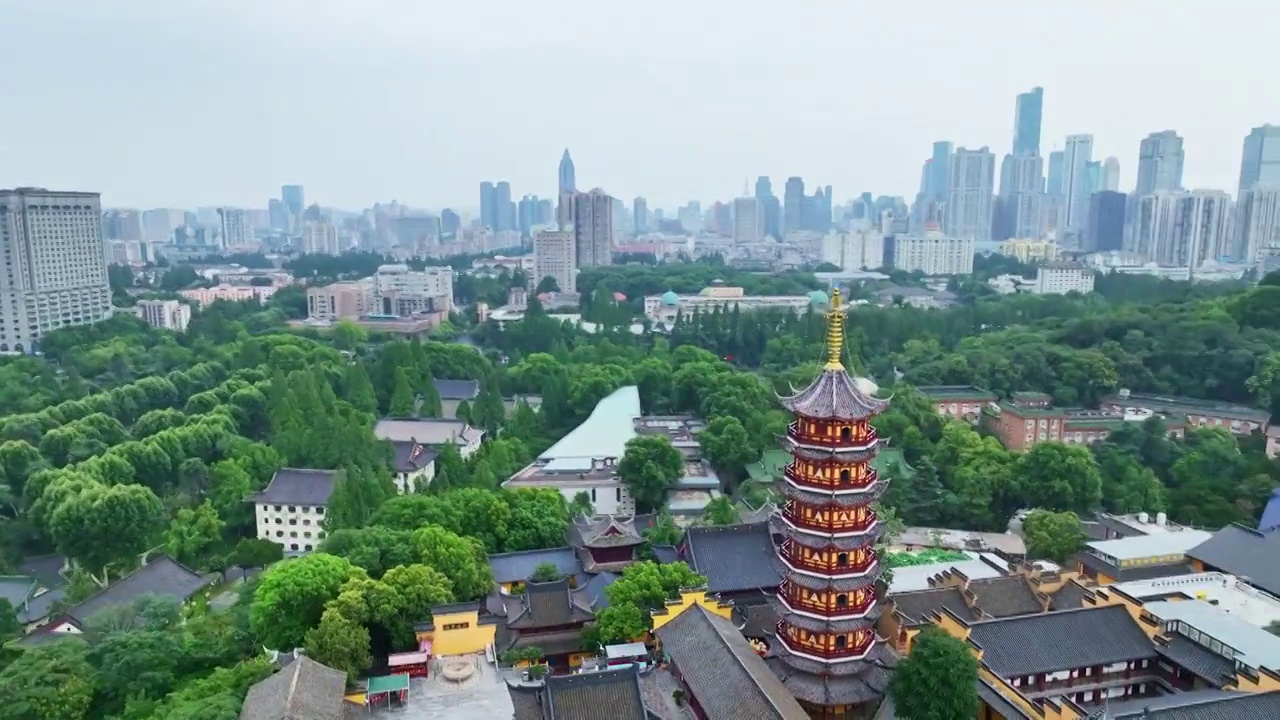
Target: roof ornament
x=835 y=332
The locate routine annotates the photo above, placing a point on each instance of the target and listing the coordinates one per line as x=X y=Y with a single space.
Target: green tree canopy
x=649 y=467
x=938 y=680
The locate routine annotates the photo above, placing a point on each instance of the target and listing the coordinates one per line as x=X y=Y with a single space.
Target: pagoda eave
x=865 y=681
x=818 y=584
x=821 y=452
x=819 y=498
x=816 y=541
x=824 y=625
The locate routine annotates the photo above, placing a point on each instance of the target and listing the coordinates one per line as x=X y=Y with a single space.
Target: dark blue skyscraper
x=940 y=169
x=1106 y=221
x=568 y=180
x=294 y=199
x=770 y=207
x=1026 y=122
x=449 y=222
x=793 y=202
x=504 y=210
x=488 y=205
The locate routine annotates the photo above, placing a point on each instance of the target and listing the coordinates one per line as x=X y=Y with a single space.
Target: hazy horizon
x=219 y=103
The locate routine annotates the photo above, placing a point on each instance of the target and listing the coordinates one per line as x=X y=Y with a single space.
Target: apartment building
x=164 y=314
x=54 y=271
x=932 y=253
x=555 y=256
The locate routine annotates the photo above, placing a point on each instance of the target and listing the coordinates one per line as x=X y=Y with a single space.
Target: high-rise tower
x=568 y=179
x=826 y=650
x=1026 y=122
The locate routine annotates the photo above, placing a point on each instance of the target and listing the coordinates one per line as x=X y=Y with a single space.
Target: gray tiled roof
x=162 y=576
x=303 y=690
x=614 y=694
x=526 y=703
x=732 y=557
x=519 y=566
x=723 y=673
x=1245 y=553
x=919 y=604
x=16 y=589
x=1204 y=663
x=298 y=486
x=1069 y=597
x=45 y=568
x=408 y=456
x=594 y=591
x=665 y=553
x=1050 y=642
x=458 y=389
x=1203 y=705
x=1005 y=596
x=545 y=605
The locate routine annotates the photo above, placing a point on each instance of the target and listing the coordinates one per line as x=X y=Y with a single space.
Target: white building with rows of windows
x=290 y=511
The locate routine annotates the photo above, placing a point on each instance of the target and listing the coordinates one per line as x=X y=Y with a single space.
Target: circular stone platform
x=457 y=670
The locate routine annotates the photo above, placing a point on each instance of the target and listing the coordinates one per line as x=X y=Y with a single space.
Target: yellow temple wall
x=689 y=598
x=465 y=635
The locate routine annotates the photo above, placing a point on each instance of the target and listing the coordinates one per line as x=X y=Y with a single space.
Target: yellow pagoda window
x=842 y=559
x=846 y=434
x=844 y=475
x=842 y=600
x=841 y=642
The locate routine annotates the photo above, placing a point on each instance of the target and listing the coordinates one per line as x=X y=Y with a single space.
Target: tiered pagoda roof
x=834 y=395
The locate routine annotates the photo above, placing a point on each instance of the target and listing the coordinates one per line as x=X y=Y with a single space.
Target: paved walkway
x=657 y=687
x=482 y=697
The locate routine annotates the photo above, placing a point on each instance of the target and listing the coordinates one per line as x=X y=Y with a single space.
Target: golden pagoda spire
x=835 y=332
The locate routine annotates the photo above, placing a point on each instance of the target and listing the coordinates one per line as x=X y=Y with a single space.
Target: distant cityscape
x=1068 y=215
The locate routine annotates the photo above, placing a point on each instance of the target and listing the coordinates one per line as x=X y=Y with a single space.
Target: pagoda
x=825 y=648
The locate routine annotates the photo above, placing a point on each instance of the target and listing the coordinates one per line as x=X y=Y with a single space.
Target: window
x=307 y=548
x=279 y=533
x=294 y=547
x=845 y=434
x=293 y=508
x=844 y=475
x=842 y=559
x=456 y=626
x=293 y=534
x=279 y=521
x=618 y=494
x=306 y=534
x=293 y=521
x=593 y=494
x=277 y=508
x=841 y=642
x=842 y=600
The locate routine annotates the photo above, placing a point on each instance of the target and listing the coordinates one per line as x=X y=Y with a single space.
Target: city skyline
x=216 y=97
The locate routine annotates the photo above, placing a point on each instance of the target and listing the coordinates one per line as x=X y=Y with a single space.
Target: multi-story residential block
x=290 y=511
x=1106 y=221
x=1062 y=278
x=402 y=292
x=970 y=195
x=1028 y=418
x=1257 y=224
x=237 y=228
x=589 y=216
x=54 y=271
x=932 y=253
x=555 y=256
x=204 y=297
x=164 y=314
x=1030 y=251
x=748 y=220
x=320 y=238
x=666 y=307
x=346 y=300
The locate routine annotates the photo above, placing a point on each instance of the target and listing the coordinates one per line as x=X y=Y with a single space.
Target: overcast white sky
x=207 y=102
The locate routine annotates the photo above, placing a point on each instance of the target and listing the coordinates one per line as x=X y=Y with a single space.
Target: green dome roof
x=817 y=297
x=670 y=298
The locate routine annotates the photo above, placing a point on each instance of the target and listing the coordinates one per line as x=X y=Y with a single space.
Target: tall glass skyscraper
x=1260 y=161
x=1026 y=121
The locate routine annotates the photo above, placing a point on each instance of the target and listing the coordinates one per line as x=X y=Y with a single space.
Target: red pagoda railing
x=793 y=554
x=829 y=525
x=836 y=653
x=870 y=437
x=835 y=483
x=791 y=595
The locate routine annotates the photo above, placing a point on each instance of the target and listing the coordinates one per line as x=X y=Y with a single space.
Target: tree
x=720 y=511
x=402 y=399
x=649 y=467
x=255 y=553
x=727 y=445
x=1052 y=535
x=620 y=624
x=50 y=681
x=489 y=412
x=547 y=284
x=451 y=472
x=463 y=412
x=192 y=532
x=291 y=596
x=937 y=680
x=582 y=505
x=1059 y=477
x=539 y=518
x=664 y=531
x=461 y=559
x=546 y=572
x=347 y=335
x=341 y=644
x=648 y=585
x=357 y=495
x=358 y=390
x=102 y=525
